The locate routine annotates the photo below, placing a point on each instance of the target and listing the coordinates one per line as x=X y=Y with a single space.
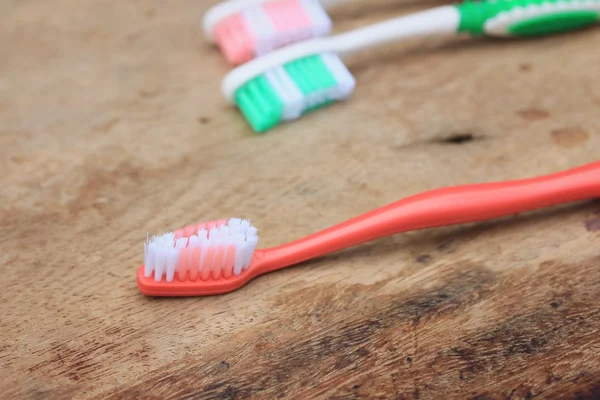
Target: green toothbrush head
x=289 y=91
x=527 y=17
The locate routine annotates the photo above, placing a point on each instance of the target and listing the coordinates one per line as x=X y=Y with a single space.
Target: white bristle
x=239 y=242
x=244 y=226
x=149 y=265
x=159 y=263
x=287 y=90
x=234 y=222
x=162 y=253
x=194 y=241
x=252 y=232
x=172 y=256
x=169 y=237
x=345 y=81
x=224 y=230
x=321 y=23
x=234 y=230
x=234 y=225
x=261 y=27
x=146 y=252
x=249 y=250
x=242 y=249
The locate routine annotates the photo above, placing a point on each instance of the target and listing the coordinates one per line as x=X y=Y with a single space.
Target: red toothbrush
x=220 y=256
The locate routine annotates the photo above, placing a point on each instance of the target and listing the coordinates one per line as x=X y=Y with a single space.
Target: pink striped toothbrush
x=246 y=29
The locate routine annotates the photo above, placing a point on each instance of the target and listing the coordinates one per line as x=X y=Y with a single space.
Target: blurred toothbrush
x=245 y=29
x=285 y=84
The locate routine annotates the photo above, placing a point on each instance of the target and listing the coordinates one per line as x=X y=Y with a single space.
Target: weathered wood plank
x=111 y=126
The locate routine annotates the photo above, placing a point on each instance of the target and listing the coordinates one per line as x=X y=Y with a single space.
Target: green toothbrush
x=287 y=83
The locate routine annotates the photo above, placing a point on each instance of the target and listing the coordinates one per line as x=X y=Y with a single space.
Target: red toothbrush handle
x=447 y=206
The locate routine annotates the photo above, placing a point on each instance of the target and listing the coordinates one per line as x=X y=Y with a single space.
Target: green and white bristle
x=286 y=92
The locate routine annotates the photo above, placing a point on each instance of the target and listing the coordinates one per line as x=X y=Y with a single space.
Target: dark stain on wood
x=570 y=137
x=147 y=93
x=218 y=369
x=459 y=138
x=352 y=345
x=424 y=258
x=108 y=125
x=591 y=393
x=533 y=114
x=524 y=67
x=150 y=13
x=389 y=322
x=593 y=225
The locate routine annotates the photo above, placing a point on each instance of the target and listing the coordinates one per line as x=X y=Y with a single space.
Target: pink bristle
x=210 y=225
x=228 y=261
x=218 y=263
x=235 y=39
x=208 y=263
x=189 y=230
x=182 y=266
x=195 y=252
x=287 y=15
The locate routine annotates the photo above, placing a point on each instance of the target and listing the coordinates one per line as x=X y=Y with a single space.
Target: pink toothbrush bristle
x=195 y=229
x=287 y=15
x=262 y=28
x=235 y=39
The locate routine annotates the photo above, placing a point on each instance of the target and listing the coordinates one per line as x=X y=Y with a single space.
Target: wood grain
x=112 y=126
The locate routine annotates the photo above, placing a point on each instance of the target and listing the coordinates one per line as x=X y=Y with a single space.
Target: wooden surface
x=112 y=126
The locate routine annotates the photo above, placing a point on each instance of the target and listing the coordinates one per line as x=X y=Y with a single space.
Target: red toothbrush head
x=203 y=259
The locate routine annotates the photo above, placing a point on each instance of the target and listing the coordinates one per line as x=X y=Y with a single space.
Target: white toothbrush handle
x=440 y=20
